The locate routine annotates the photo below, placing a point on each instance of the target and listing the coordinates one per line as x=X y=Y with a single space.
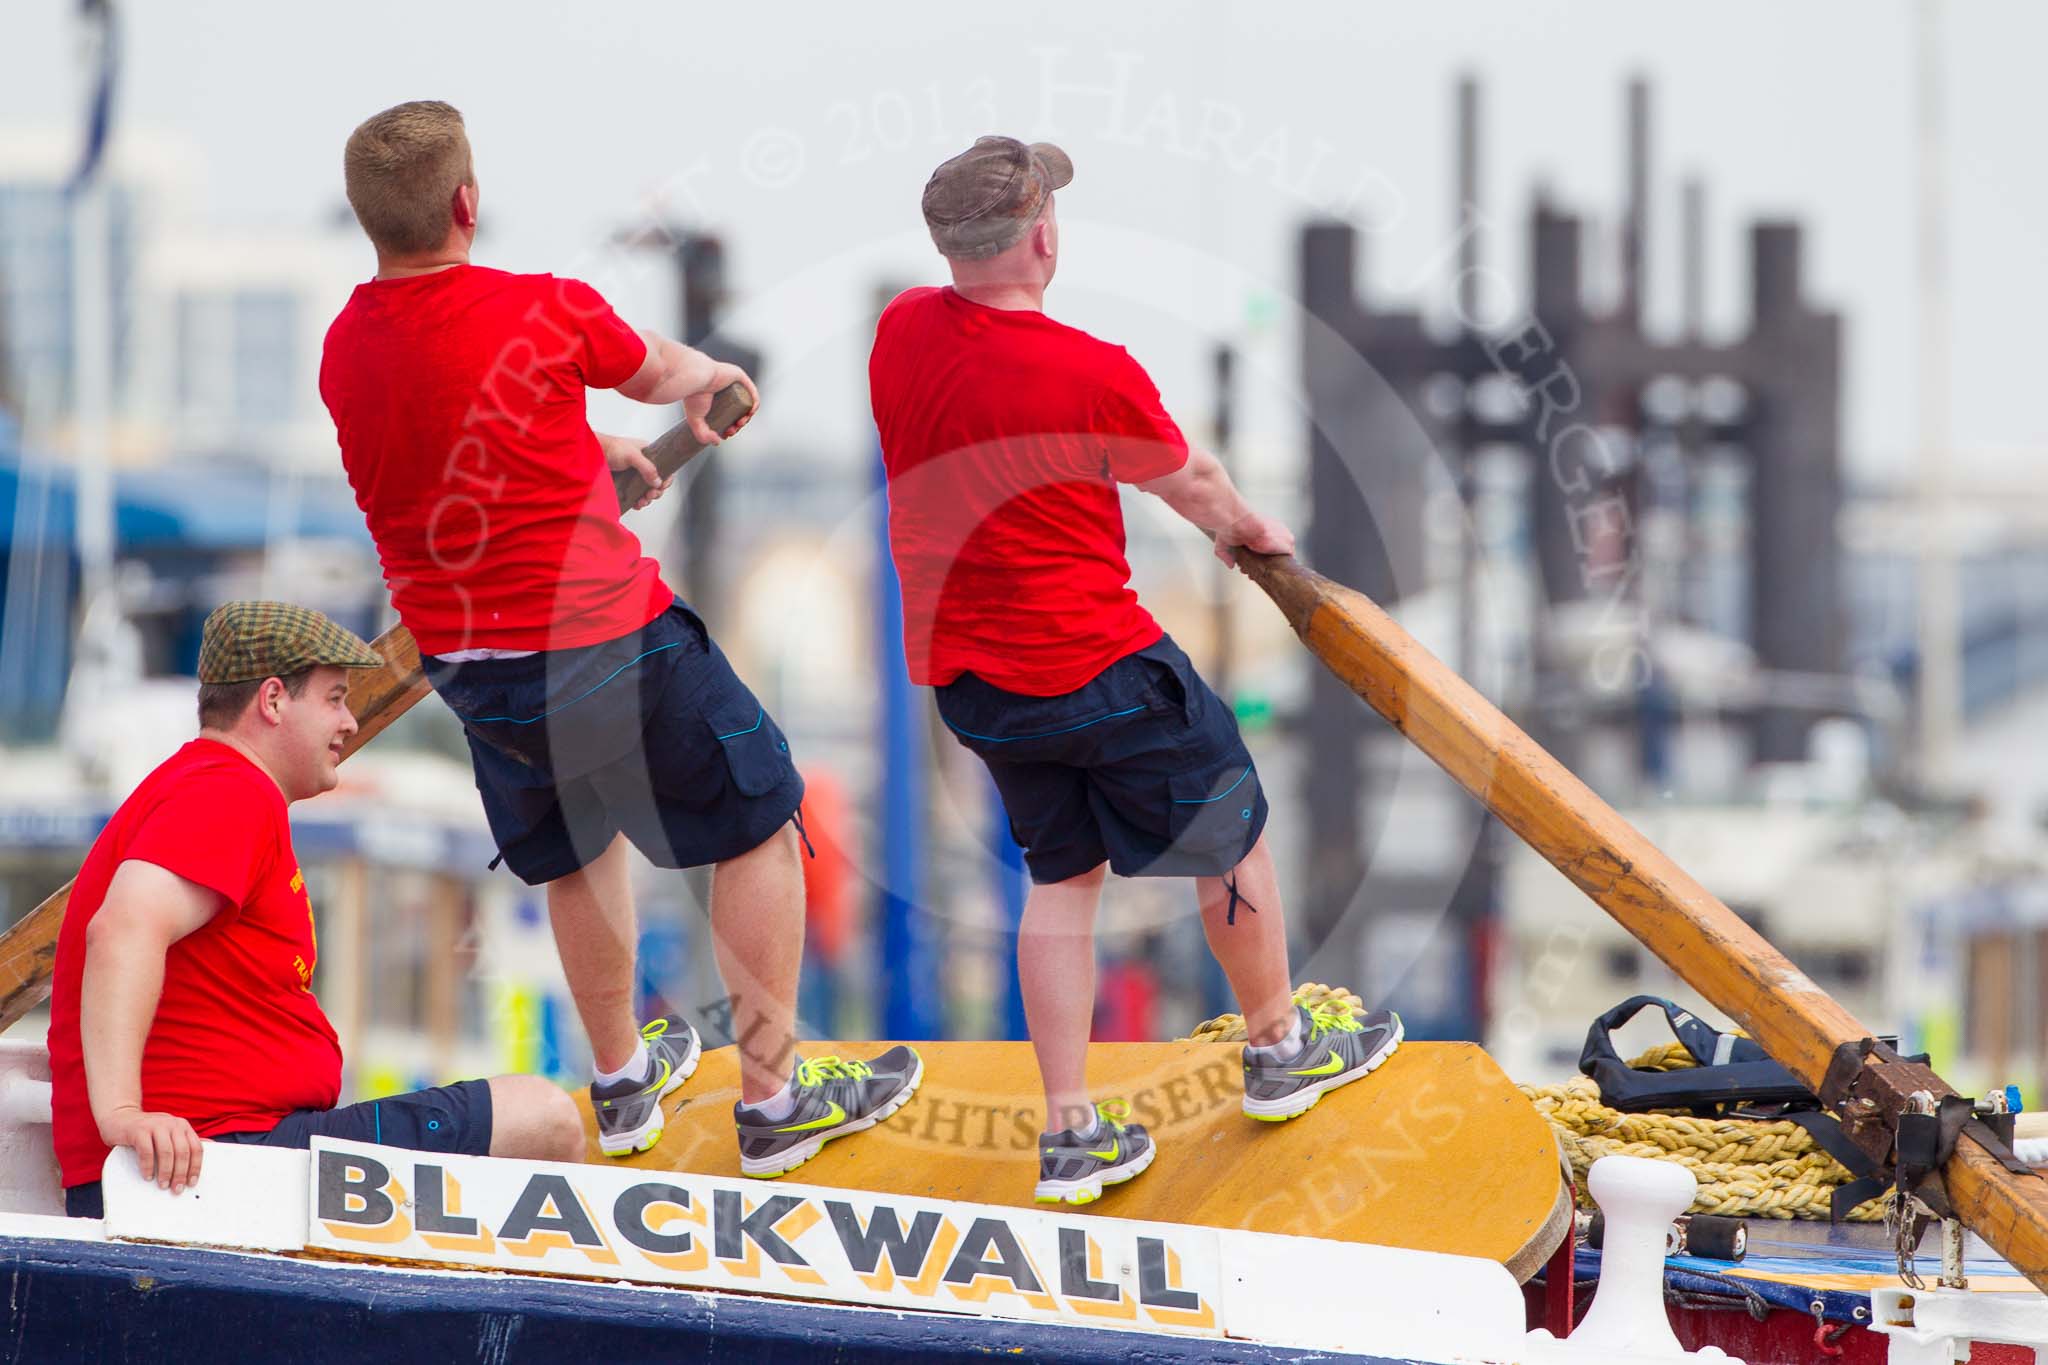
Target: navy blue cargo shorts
x=1141 y=767
x=651 y=735
x=448 y=1118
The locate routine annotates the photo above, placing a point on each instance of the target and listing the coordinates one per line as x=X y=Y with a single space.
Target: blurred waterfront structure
x=218 y=450
x=232 y=357
x=1643 y=546
x=216 y=335
x=37 y=265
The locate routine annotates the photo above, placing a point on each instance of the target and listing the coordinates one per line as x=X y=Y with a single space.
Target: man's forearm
x=118 y=995
x=684 y=370
x=1206 y=496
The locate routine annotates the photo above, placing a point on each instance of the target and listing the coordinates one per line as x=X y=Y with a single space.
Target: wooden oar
x=1674 y=916
x=28 y=950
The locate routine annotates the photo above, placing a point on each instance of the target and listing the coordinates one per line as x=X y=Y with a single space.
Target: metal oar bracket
x=1909 y=1121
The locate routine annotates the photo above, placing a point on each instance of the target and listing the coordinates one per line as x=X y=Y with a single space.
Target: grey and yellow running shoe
x=1073 y=1169
x=629 y=1117
x=1340 y=1048
x=834 y=1097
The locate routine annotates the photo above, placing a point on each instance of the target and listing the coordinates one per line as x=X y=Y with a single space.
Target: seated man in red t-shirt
x=598 y=710
x=182 y=1005
x=1005 y=435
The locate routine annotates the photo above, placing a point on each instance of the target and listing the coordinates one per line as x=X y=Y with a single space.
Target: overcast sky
x=1202 y=135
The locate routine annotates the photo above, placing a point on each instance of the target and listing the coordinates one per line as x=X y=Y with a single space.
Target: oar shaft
x=1703 y=941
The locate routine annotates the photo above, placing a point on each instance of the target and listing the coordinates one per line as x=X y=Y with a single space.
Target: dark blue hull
x=84 y=1303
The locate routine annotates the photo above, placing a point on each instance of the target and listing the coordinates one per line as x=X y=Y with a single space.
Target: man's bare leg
x=596 y=933
x=533 y=1118
x=757 y=932
x=1253 y=951
x=1056 y=973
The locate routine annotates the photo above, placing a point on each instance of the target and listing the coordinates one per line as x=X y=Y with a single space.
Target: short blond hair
x=402 y=168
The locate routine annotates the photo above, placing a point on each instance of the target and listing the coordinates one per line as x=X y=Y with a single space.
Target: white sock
x=1088 y=1131
x=638 y=1067
x=1284 y=1047
x=779 y=1105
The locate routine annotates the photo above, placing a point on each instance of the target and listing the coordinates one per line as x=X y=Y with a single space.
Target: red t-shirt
x=238 y=1040
x=458 y=401
x=1004 y=435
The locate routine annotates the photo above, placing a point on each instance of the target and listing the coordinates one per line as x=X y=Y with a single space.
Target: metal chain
x=1901 y=1221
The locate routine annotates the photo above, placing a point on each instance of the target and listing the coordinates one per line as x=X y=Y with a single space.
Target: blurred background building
x=1603 y=452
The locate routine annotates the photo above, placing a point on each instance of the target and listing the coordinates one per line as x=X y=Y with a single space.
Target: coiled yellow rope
x=1229 y=1028
x=1750 y=1168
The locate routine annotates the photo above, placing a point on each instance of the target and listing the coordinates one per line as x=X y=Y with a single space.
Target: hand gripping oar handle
x=677 y=446
x=377 y=696
x=1722 y=958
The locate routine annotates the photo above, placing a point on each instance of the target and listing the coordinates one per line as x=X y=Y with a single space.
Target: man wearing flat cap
x=182 y=1005
x=1005 y=435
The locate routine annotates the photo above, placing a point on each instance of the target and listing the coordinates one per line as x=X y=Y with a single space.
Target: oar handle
x=677 y=446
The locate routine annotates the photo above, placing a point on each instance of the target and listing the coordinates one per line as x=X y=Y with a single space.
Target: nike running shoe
x=1073 y=1169
x=1340 y=1048
x=629 y=1116
x=834 y=1097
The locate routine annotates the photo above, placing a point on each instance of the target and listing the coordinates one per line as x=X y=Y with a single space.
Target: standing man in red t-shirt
x=1005 y=435
x=182 y=1005
x=598 y=710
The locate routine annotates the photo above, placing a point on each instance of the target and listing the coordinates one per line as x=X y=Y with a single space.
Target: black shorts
x=651 y=735
x=1141 y=767
x=448 y=1118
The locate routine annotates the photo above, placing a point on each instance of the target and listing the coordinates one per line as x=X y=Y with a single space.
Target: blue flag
x=99 y=25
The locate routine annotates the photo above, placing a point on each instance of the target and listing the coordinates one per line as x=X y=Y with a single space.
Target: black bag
x=1732 y=1071
x=1734 y=1078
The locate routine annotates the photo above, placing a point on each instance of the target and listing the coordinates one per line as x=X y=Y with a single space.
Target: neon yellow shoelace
x=1332 y=1019
x=813 y=1070
x=1112 y=1111
x=654 y=1030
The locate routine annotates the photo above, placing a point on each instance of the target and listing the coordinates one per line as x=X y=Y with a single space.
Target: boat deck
x=1435 y=1151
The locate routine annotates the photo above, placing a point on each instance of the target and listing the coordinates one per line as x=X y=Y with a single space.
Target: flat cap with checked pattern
x=250 y=641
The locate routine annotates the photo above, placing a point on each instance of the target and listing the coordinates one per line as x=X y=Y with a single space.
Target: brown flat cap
x=984 y=200
x=249 y=641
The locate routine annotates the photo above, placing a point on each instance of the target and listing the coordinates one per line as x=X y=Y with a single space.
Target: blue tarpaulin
x=181 y=518
x=194 y=506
